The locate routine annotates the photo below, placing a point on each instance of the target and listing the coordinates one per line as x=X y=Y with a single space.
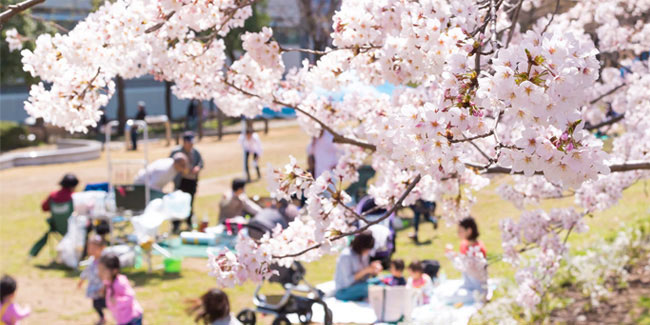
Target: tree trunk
x=168 y=100
x=121 y=103
x=220 y=120
x=199 y=118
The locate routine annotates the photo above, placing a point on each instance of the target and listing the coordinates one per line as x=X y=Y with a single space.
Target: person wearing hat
x=64 y=194
x=187 y=182
x=142 y=113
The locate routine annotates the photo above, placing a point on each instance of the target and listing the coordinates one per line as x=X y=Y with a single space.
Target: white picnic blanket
x=436 y=312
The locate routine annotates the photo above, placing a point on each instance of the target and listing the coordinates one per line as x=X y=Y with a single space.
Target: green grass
x=163 y=296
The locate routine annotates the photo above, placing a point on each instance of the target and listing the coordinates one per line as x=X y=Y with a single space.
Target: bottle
x=204 y=223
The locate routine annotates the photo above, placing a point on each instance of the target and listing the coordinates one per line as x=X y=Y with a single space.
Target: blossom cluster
x=14 y=40
x=603 y=263
x=470 y=99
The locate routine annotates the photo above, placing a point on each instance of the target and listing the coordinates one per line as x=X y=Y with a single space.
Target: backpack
x=431 y=268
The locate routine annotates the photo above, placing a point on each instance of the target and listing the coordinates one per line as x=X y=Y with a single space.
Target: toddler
x=419 y=280
x=213 y=308
x=95 y=290
x=10 y=313
x=120 y=296
x=396 y=277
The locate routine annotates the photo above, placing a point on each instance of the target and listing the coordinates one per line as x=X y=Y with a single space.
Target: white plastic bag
x=70 y=248
x=89 y=203
x=177 y=205
x=381 y=234
x=125 y=253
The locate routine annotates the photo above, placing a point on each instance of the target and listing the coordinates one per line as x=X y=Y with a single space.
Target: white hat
x=141 y=103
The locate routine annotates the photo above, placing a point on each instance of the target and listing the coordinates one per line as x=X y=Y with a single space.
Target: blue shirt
x=348 y=264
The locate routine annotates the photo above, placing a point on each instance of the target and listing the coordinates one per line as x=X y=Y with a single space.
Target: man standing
x=188 y=181
x=162 y=171
x=142 y=113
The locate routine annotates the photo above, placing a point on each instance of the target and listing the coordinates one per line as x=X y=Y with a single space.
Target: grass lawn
x=51 y=290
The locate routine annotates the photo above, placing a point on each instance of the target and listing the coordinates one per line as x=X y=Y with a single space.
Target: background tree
x=254 y=24
x=316 y=16
x=11 y=69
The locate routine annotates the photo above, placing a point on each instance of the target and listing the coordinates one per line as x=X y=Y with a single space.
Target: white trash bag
x=177 y=205
x=89 y=203
x=71 y=247
x=125 y=253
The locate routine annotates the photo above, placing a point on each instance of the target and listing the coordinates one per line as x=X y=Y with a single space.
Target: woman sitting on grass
x=353 y=268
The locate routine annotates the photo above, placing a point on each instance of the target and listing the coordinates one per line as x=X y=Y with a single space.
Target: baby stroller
x=290 y=302
x=299 y=296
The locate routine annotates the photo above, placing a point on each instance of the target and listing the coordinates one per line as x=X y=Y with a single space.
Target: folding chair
x=58 y=223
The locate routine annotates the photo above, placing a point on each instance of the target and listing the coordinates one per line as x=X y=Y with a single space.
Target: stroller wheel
x=305 y=318
x=281 y=320
x=246 y=317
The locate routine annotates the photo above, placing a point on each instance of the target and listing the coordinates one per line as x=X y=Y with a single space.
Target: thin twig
x=90 y=83
x=515 y=17
x=485 y=155
x=49 y=22
x=611 y=91
x=625 y=167
x=557 y=9
x=466 y=139
x=605 y=123
x=160 y=24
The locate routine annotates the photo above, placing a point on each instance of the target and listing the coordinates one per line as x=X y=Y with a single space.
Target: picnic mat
x=436 y=312
x=176 y=248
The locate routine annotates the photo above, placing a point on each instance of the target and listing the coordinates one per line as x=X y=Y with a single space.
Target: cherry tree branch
x=625 y=167
x=613 y=90
x=160 y=24
x=51 y=23
x=338 y=138
x=392 y=210
x=90 y=84
x=355 y=49
x=465 y=139
x=605 y=123
x=557 y=9
x=16 y=9
x=515 y=17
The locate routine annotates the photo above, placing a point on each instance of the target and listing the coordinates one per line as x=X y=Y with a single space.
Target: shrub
x=13 y=136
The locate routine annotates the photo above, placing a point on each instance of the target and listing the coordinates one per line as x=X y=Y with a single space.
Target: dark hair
x=398 y=264
x=363 y=241
x=470 y=223
x=238 y=184
x=111 y=262
x=416 y=266
x=212 y=305
x=7 y=287
x=69 y=181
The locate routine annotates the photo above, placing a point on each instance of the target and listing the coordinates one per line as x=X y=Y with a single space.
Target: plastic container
x=198 y=238
x=173 y=264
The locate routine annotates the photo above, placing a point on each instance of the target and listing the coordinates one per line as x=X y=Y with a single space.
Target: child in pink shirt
x=10 y=313
x=419 y=280
x=120 y=296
